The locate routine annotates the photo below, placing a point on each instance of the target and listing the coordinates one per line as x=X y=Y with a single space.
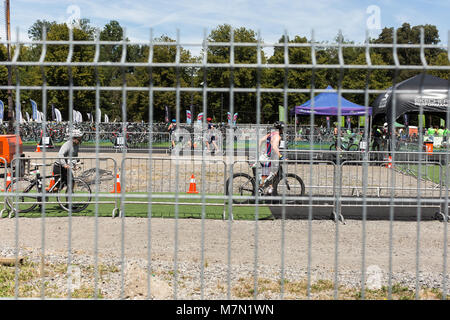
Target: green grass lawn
x=305 y=145
x=192 y=208
x=434 y=173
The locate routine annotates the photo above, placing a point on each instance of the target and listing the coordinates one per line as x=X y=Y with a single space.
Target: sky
x=272 y=18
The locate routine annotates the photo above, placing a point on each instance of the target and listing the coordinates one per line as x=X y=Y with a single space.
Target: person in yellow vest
x=445 y=134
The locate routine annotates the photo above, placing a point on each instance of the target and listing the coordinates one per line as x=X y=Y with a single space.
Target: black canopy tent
x=421 y=91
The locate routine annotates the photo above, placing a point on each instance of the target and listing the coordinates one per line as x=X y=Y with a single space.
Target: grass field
x=191 y=208
x=434 y=173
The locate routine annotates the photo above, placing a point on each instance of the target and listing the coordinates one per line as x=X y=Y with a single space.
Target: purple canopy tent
x=326 y=104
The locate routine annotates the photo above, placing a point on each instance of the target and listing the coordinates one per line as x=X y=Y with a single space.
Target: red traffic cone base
x=192 y=185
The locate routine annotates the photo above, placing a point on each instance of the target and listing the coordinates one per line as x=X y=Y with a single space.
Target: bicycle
x=288 y=184
x=347 y=144
x=34 y=188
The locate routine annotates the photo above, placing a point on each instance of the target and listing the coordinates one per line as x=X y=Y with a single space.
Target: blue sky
x=270 y=17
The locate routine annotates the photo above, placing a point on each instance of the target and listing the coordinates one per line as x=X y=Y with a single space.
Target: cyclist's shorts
x=265 y=170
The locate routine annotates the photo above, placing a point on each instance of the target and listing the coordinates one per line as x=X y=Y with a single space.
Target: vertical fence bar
x=97 y=162
x=123 y=169
x=258 y=121
x=177 y=105
x=204 y=104
x=16 y=127
x=310 y=208
x=44 y=102
x=446 y=186
x=339 y=168
x=150 y=165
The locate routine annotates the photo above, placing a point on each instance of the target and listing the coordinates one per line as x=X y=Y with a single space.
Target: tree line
x=137 y=102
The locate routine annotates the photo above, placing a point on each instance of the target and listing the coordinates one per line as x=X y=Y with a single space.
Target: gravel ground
x=123 y=244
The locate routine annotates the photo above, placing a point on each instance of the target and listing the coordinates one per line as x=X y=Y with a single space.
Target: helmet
x=208 y=119
x=77 y=133
x=278 y=125
x=174 y=120
x=385 y=124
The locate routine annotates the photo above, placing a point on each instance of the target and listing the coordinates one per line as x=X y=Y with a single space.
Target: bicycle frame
x=278 y=174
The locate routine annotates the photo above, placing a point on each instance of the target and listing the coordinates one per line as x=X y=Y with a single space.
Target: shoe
x=260 y=191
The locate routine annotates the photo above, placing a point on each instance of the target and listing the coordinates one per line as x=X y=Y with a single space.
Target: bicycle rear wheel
x=290 y=186
x=243 y=185
x=74 y=200
x=22 y=203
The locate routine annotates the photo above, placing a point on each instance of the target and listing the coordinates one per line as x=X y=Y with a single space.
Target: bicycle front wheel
x=243 y=185
x=290 y=186
x=22 y=203
x=72 y=198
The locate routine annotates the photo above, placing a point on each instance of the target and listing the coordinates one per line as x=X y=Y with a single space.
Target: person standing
x=211 y=138
x=171 y=129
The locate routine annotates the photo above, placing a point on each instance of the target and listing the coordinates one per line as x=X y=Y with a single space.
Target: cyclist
x=68 y=150
x=272 y=142
x=212 y=138
x=171 y=129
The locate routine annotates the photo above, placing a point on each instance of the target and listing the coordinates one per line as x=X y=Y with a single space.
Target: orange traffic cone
x=8 y=181
x=38 y=148
x=117 y=185
x=192 y=185
x=389 y=165
x=52 y=183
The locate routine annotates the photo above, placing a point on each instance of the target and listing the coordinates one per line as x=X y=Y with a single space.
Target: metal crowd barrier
x=102 y=186
x=5 y=172
x=357 y=183
x=161 y=181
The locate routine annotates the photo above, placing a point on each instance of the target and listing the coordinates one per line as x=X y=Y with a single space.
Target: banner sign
x=167 y=115
x=58 y=116
x=188 y=117
x=2 y=110
x=281 y=113
x=34 y=112
x=362 y=121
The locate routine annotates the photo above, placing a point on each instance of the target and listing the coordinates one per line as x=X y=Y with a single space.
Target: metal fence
x=342 y=184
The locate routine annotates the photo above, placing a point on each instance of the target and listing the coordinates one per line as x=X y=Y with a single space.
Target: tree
x=83 y=101
x=244 y=103
x=35 y=31
x=408 y=56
